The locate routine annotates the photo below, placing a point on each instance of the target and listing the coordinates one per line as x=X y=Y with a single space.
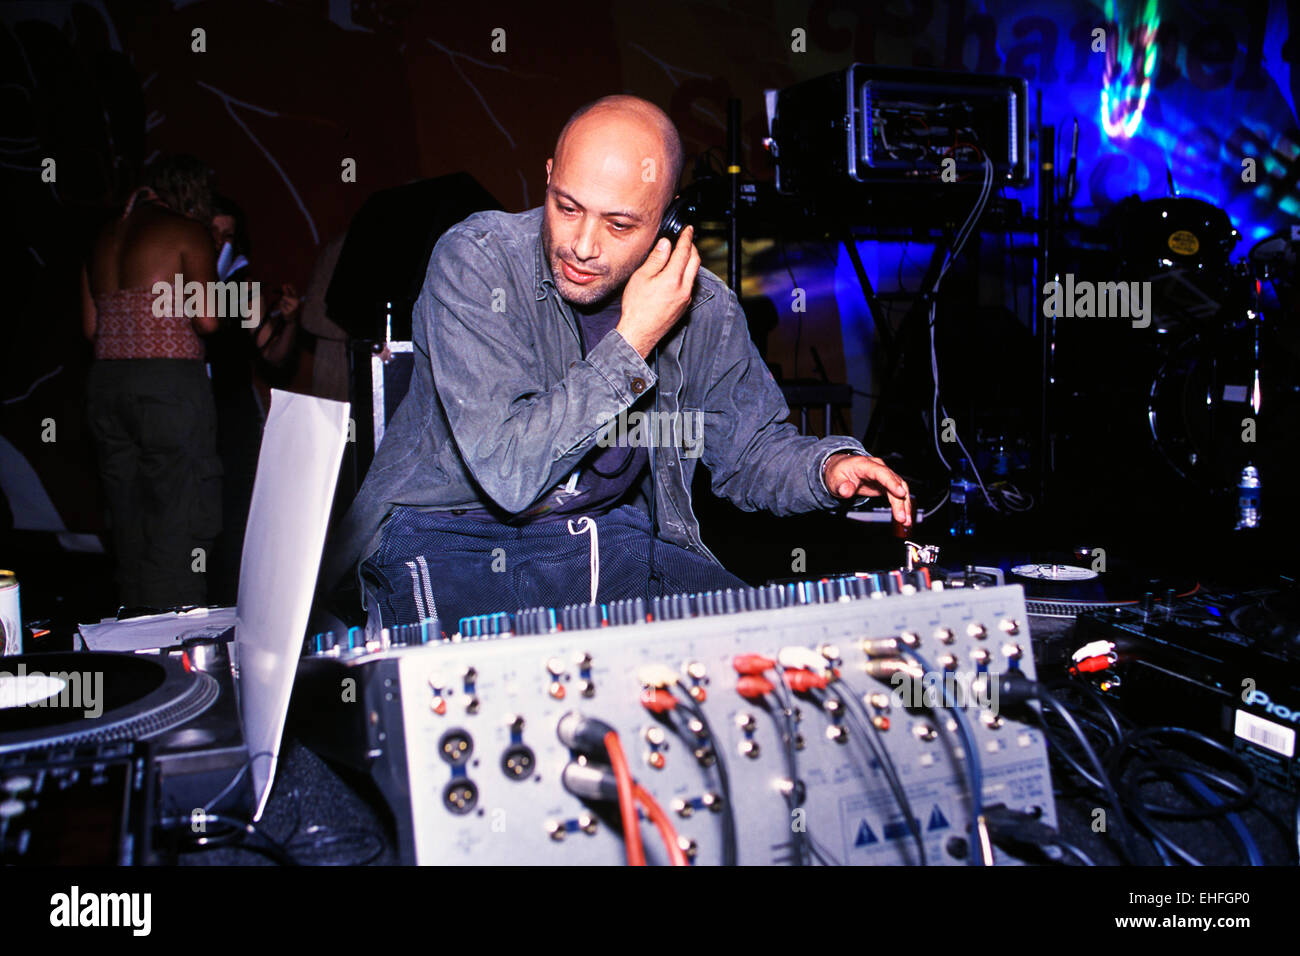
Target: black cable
x=653 y=579
x=205 y=840
x=784 y=718
x=1244 y=798
x=247 y=765
x=896 y=788
x=1165 y=764
x=729 y=853
x=1182 y=774
x=1095 y=695
x=204 y=814
x=247 y=828
x=331 y=840
x=888 y=768
x=974 y=770
x=1099 y=729
x=1059 y=749
x=236 y=832
x=1161 y=838
x=1127 y=849
x=1172 y=769
x=1181 y=781
x=1075 y=852
x=821 y=853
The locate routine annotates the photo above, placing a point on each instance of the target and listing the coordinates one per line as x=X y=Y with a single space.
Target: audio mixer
x=840 y=721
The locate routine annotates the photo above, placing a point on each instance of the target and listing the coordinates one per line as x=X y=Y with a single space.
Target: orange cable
x=626 y=800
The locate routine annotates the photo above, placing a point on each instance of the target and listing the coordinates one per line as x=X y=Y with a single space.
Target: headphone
x=679 y=214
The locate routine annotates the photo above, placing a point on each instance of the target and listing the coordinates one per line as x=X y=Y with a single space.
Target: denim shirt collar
x=543 y=268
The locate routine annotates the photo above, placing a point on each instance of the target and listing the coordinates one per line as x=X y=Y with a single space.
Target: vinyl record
x=1065 y=584
x=68 y=699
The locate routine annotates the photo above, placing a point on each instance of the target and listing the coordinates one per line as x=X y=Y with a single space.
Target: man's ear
x=548 y=171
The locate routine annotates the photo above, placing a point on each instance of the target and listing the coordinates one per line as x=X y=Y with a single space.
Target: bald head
x=620 y=122
x=615 y=169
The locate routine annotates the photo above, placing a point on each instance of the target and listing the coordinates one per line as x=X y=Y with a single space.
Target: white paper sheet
x=297 y=470
x=154 y=631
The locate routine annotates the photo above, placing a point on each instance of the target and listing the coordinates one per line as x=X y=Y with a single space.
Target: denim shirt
x=502 y=405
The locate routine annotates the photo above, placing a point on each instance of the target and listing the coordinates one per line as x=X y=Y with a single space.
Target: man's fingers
x=682 y=253
x=877 y=471
x=900 y=500
x=692 y=268
x=872 y=477
x=902 y=508
x=659 y=255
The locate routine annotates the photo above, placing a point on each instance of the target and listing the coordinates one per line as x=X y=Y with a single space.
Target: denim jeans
x=449 y=566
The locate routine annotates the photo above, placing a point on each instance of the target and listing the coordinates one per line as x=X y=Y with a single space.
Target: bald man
x=570 y=373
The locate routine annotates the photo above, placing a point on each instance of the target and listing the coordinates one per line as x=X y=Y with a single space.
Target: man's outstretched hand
x=848 y=475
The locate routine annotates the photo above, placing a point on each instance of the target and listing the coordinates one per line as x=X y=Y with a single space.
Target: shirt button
x=638 y=386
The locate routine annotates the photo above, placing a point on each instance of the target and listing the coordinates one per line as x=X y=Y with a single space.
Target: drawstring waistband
x=590 y=527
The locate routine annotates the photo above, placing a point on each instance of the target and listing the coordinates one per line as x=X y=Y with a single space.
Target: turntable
x=118 y=738
x=89 y=734
x=84 y=698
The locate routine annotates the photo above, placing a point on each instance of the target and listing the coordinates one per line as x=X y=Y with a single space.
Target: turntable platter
x=67 y=699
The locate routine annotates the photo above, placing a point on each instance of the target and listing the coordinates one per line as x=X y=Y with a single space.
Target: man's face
x=600 y=223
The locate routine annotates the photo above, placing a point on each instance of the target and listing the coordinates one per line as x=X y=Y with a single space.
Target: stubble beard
x=599 y=292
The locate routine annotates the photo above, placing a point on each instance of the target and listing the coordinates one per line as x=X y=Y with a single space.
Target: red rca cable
x=663 y=823
x=626 y=800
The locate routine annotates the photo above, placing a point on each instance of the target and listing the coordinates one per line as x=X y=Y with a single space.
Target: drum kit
x=1226 y=393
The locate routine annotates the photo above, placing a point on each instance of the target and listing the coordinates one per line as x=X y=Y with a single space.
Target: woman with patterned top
x=149 y=400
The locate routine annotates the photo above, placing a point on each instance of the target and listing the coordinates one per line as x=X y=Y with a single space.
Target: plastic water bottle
x=1248 y=498
x=958 y=488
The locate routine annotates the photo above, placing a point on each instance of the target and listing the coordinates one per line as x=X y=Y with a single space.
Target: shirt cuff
x=622 y=367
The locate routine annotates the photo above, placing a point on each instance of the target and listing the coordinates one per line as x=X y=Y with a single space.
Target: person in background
x=149 y=401
x=239 y=353
x=328 y=341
